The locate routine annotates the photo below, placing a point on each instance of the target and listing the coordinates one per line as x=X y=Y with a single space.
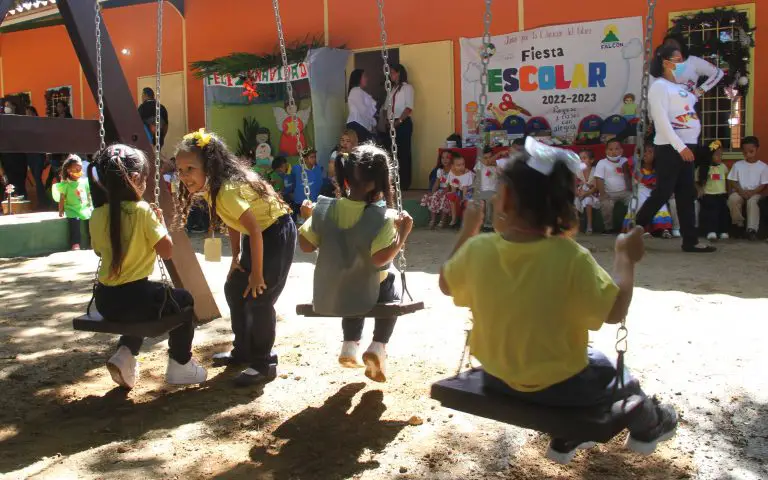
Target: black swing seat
x=380 y=310
x=466 y=393
x=94 y=322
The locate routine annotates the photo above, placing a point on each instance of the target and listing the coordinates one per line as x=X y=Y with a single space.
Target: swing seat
x=94 y=322
x=466 y=393
x=380 y=310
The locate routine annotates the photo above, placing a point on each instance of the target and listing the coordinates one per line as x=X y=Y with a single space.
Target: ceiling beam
x=5 y=5
x=23 y=134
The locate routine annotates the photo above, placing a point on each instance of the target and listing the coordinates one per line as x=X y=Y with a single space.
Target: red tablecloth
x=470 y=154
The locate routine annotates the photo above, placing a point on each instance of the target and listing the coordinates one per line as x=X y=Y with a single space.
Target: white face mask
x=8 y=110
x=613 y=159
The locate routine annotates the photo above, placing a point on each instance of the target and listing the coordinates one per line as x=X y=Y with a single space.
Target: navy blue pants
x=593 y=386
x=141 y=301
x=254 y=320
x=390 y=290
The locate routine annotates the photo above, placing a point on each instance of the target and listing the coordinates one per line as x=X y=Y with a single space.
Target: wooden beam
x=5 y=5
x=23 y=134
x=124 y=125
x=177 y=4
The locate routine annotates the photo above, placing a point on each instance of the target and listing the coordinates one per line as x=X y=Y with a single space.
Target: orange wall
x=219 y=27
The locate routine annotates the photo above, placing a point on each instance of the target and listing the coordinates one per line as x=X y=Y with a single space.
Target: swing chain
x=292 y=108
x=485 y=59
x=390 y=109
x=100 y=78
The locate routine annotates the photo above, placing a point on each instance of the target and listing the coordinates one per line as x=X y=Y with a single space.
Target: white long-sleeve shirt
x=696 y=68
x=403 y=99
x=672 y=110
x=362 y=108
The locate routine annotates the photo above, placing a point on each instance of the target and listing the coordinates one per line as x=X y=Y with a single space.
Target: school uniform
x=128 y=295
x=714 y=216
x=315 y=177
x=749 y=176
x=612 y=173
x=254 y=319
x=77 y=204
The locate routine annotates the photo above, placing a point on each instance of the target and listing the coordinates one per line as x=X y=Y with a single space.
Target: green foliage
x=247 y=137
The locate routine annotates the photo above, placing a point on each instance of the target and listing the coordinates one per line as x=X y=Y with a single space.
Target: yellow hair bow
x=201 y=138
x=716 y=145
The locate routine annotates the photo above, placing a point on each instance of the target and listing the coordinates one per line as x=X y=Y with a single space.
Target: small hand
x=687 y=155
x=159 y=212
x=404 y=223
x=61 y=214
x=631 y=244
x=256 y=285
x=235 y=266
x=307 y=207
x=474 y=215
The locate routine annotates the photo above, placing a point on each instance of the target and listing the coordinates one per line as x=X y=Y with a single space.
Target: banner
x=567 y=78
x=298 y=71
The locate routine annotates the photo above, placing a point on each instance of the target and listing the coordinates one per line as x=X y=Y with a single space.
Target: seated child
x=74 y=196
x=661 y=225
x=486 y=169
x=611 y=176
x=435 y=201
x=538 y=351
x=128 y=234
x=586 y=187
x=748 y=180
x=314 y=176
x=459 y=182
x=714 y=217
x=357 y=241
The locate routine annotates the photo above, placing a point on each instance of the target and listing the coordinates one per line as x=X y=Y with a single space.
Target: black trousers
x=714 y=216
x=404 y=132
x=363 y=134
x=15 y=166
x=36 y=163
x=673 y=176
x=254 y=319
x=141 y=301
x=75 y=237
x=390 y=290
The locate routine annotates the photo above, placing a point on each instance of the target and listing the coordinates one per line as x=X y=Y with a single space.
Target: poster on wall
x=569 y=80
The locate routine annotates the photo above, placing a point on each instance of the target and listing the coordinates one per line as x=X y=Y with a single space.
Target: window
x=56 y=95
x=722 y=119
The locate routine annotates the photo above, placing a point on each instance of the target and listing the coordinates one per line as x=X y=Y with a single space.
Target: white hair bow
x=544 y=157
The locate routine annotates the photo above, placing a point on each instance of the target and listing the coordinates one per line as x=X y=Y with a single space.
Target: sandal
x=443 y=224
x=432 y=225
x=700 y=248
x=666 y=234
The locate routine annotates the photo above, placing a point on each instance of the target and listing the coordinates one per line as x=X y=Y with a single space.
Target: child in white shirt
x=586 y=187
x=487 y=172
x=611 y=178
x=749 y=183
x=459 y=182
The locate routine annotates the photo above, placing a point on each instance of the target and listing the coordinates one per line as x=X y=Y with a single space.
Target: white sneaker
x=676 y=233
x=190 y=373
x=724 y=236
x=348 y=356
x=375 y=359
x=711 y=236
x=123 y=367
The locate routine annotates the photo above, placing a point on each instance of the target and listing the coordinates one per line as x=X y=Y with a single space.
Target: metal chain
x=485 y=58
x=390 y=109
x=291 y=100
x=100 y=78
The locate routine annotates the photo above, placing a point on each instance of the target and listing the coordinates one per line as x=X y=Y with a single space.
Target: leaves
x=247 y=137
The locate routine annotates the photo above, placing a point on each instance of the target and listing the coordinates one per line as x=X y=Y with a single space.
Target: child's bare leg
x=453 y=213
x=588 y=209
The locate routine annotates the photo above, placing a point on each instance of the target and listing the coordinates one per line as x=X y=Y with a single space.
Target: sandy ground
x=696 y=333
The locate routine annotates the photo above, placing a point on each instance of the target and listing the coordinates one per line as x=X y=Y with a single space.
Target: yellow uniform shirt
x=140 y=230
x=715 y=180
x=234 y=199
x=533 y=305
x=346 y=214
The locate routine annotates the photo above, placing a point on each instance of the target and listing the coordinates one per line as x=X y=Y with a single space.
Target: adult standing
x=677 y=129
x=147 y=111
x=15 y=164
x=401 y=97
x=36 y=163
x=362 y=107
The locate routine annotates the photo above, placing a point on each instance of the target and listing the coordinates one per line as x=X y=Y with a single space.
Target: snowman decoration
x=291 y=128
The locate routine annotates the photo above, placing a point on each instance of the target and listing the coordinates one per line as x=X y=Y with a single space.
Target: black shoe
x=258 y=378
x=751 y=235
x=563 y=451
x=645 y=443
x=226 y=359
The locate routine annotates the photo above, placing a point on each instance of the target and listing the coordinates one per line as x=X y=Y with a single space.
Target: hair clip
x=716 y=145
x=200 y=137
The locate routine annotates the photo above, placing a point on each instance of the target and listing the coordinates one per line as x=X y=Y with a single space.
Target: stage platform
x=34 y=234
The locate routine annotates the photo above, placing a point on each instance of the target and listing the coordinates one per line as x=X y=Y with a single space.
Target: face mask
x=613 y=159
x=381 y=203
x=680 y=69
x=8 y=110
x=76 y=175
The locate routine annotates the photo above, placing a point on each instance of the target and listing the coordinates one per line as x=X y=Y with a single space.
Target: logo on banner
x=611 y=39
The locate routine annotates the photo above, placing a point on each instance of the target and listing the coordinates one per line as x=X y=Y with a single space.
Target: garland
x=730 y=52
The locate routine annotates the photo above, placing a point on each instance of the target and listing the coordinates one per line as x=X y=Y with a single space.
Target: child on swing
x=73 y=193
x=128 y=234
x=263 y=238
x=537 y=351
x=357 y=241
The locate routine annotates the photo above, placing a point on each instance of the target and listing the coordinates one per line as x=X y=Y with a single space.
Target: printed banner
x=298 y=71
x=576 y=80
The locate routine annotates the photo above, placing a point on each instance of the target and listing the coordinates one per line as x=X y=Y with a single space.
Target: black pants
x=36 y=163
x=141 y=301
x=404 y=132
x=254 y=319
x=673 y=176
x=363 y=134
x=592 y=386
x=74 y=230
x=15 y=166
x=198 y=220
x=714 y=216
x=390 y=290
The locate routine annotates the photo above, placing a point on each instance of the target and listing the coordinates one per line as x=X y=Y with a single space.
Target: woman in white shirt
x=402 y=101
x=694 y=68
x=362 y=107
x=677 y=127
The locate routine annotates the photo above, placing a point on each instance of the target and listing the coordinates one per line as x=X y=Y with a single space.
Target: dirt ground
x=697 y=330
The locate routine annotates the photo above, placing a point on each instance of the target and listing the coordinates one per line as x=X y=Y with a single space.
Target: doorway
x=373 y=65
x=172 y=97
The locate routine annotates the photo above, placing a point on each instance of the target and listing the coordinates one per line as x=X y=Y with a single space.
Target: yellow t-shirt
x=716 y=180
x=234 y=199
x=140 y=230
x=346 y=214
x=533 y=305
